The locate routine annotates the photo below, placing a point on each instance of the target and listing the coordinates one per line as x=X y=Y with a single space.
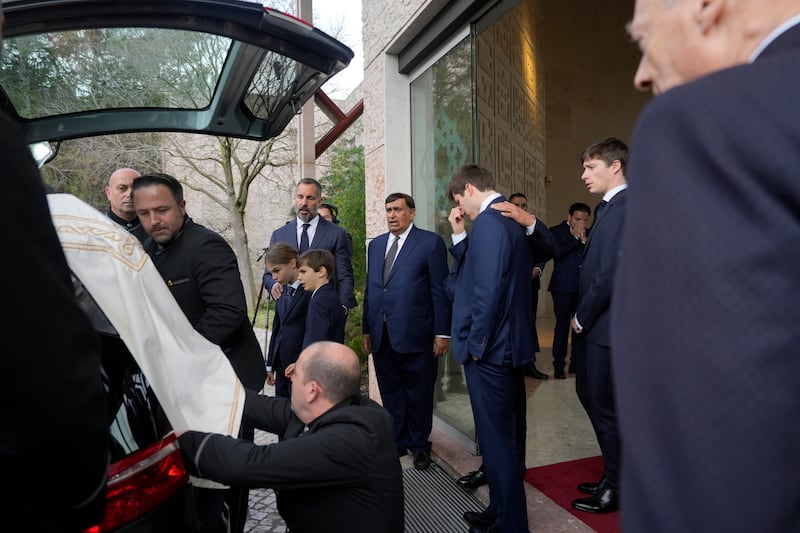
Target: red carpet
x=559 y=481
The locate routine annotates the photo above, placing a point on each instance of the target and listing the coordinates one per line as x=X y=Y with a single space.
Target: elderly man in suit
x=705 y=307
x=312 y=231
x=603 y=173
x=491 y=337
x=406 y=322
x=202 y=273
x=570 y=237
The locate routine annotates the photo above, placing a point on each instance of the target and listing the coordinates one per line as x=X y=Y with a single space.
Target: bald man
x=704 y=313
x=121 y=210
x=336 y=467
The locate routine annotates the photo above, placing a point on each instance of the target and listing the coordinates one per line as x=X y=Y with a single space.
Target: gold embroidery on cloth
x=101 y=238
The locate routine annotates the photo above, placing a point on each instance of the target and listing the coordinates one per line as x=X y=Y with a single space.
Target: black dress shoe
x=532 y=372
x=571 y=369
x=592 y=488
x=559 y=374
x=482 y=529
x=474 y=479
x=605 y=501
x=422 y=459
x=475 y=518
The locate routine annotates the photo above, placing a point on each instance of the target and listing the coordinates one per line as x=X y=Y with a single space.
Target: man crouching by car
x=336 y=467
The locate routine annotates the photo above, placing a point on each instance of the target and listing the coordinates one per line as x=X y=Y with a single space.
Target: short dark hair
x=608 y=151
x=477 y=176
x=400 y=196
x=317 y=258
x=281 y=253
x=340 y=380
x=333 y=209
x=156 y=178
x=579 y=206
x=518 y=195
x=311 y=181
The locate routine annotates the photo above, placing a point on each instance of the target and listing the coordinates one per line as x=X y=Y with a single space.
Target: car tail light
x=141 y=482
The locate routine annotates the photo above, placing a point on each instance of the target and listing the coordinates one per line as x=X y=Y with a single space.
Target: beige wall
x=511 y=103
x=589 y=67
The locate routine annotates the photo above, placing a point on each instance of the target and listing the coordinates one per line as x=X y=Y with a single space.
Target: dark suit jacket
x=327 y=237
x=566 y=260
x=326 y=317
x=201 y=271
x=52 y=406
x=705 y=319
x=413 y=300
x=288 y=328
x=341 y=473
x=597 y=271
x=492 y=295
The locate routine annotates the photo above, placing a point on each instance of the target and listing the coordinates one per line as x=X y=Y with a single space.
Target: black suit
x=563 y=288
x=201 y=271
x=593 y=366
x=705 y=318
x=339 y=473
x=53 y=410
x=328 y=236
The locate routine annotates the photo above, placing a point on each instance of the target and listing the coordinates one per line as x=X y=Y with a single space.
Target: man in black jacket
x=336 y=467
x=202 y=273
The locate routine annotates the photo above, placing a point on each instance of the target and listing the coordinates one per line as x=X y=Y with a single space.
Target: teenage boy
x=326 y=314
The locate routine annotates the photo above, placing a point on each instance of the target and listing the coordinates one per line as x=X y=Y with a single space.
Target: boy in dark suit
x=289 y=324
x=603 y=173
x=326 y=314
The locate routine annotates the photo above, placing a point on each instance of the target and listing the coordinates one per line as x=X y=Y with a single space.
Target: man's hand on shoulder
x=517 y=214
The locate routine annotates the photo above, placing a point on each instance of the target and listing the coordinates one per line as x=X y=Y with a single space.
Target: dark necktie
x=599 y=209
x=287 y=302
x=304 y=238
x=389 y=259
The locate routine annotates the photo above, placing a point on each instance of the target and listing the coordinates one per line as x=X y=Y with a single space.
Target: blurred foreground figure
x=705 y=326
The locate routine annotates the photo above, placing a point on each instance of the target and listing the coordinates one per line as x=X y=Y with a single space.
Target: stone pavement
x=263 y=514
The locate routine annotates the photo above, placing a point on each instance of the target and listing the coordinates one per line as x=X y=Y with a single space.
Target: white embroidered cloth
x=191 y=376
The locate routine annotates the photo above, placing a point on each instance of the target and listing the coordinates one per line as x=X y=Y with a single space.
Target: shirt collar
x=774 y=34
x=403 y=235
x=314 y=223
x=488 y=200
x=613 y=192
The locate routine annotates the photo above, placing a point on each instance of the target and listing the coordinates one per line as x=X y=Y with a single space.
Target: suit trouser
x=493 y=394
x=520 y=417
x=595 y=389
x=406 y=382
x=210 y=501
x=564 y=306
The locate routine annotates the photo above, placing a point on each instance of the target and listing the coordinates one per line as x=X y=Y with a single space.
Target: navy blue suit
x=705 y=308
x=491 y=338
x=286 y=341
x=563 y=288
x=593 y=365
x=328 y=236
x=325 y=317
x=402 y=317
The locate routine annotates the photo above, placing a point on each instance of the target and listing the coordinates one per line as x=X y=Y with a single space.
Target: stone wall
x=511 y=103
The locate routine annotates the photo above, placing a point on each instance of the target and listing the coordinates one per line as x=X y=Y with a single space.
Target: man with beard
x=312 y=231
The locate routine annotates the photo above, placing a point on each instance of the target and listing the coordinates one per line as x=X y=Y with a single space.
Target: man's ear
x=708 y=13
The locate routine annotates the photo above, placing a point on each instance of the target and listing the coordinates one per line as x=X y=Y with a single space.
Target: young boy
x=326 y=314
x=289 y=324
